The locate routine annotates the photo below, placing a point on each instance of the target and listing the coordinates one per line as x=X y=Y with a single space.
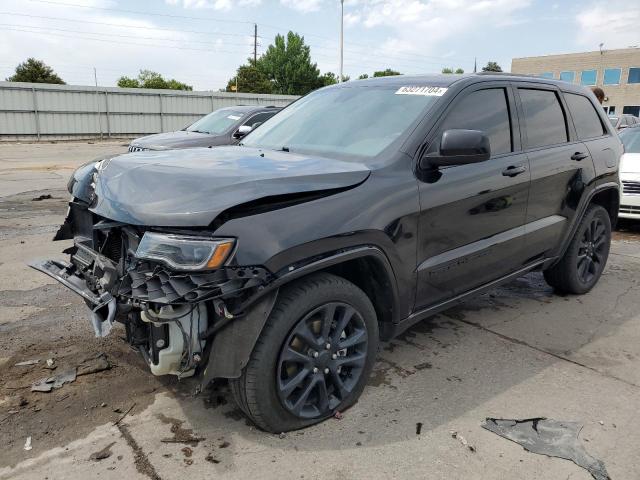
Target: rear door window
x=545 y=122
x=485 y=110
x=585 y=118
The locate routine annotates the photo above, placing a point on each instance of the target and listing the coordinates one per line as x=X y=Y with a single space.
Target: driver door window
x=485 y=110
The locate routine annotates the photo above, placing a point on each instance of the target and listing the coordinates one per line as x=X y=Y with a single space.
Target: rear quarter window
x=585 y=118
x=545 y=122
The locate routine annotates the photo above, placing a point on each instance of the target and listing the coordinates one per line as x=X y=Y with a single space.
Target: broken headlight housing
x=184 y=252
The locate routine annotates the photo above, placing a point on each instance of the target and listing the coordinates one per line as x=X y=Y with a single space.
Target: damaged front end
x=174 y=290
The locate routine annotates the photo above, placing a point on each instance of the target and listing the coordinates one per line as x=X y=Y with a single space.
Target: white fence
x=30 y=111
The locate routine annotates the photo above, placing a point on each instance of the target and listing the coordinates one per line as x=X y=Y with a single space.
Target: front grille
x=629 y=209
x=133 y=148
x=630 y=188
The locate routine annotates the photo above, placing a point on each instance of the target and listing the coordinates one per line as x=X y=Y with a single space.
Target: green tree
x=363 y=76
x=35 y=71
x=250 y=79
x=151 y=79
x=386 y=73
x=459 y=71
x=128 y=82
x=492 y=67
x=448 y=70
x=331 y=78
x=287 y=63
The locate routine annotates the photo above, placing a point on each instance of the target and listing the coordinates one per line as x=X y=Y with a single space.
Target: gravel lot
x=519 y=351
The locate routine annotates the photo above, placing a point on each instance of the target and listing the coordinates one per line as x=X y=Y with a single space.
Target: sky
x=202 y=42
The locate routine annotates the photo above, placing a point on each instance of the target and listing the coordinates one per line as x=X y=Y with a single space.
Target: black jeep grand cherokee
x=362 y=208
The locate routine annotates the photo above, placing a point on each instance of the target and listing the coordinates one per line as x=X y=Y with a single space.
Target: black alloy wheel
x=322 y=360
x=592 y=251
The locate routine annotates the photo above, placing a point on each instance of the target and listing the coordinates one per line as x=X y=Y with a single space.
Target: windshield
x=343 y=122
x=631 y=139
x=216 y=122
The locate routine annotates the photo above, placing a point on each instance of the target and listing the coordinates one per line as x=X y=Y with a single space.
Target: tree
x=448 y=70
x=331 y=78
x=35 y=71
x=492 y=67
x=250 y=79
x=363 y=76
x=386 y=73
x=151 y=79
x=287 y=63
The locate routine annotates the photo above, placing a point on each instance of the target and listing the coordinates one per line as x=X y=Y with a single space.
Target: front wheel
x=583 y=262
x=313 y=357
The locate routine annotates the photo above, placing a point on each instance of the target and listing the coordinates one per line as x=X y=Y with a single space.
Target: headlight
x=183 y=252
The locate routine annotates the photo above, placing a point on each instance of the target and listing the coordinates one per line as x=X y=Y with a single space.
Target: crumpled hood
x=179 y=139
x=189 y=188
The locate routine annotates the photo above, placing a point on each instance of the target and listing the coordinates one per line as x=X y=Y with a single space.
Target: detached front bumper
x=103 y=306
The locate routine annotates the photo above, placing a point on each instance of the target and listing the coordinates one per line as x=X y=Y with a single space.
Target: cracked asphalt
x=519 y=351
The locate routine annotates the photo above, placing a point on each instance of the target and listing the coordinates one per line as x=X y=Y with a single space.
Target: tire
x=582 y=264
x=284 y=355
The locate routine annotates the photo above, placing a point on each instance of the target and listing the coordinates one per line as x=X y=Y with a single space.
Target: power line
x=117 y=35
x=138 y=12
x=126 y=43
x=144 y=27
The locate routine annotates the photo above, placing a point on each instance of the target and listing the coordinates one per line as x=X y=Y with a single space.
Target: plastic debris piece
x=94 y=365
x=27 y=444
x=26 y=363
x=463 y=441
x=418 y=428
x=49 y=383
x=553 y=438
x=50 y=364
x=102 y=454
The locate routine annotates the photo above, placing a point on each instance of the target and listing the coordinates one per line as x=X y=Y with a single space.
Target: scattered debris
x=117 y=410
x=210 y=458
x=224 y=444
x=463 y=441
x=188 y=461
x=48 y=383
x=187 y=451
x=552 y=438
x=27 y=363
x=358 y=444
x=338 y=415
x=50 y=364
x=102 y=454
x=27 y=444
x=282 y=435
x=418 y=428
x=94 y=365
x=42 y=197
x=180 y=435
x=601 y=422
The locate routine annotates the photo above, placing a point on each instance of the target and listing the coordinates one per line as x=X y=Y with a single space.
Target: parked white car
x=630 y=173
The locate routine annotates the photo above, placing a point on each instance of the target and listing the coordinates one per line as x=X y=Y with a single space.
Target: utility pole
x=95 y=77
x=341 y=38
x=255 y=44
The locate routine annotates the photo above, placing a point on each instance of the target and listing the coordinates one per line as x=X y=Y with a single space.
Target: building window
x=567 y=76
x=610 y=110
x=588 y=77
x=546 y=75
x=634 y=75
x=631 y=110
x=612 y=76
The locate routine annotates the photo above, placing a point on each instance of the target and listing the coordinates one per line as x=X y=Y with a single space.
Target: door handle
x=514 y=170
x=579 y=156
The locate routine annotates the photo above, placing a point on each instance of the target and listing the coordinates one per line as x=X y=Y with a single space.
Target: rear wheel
x=583 y=262
x=314 y=356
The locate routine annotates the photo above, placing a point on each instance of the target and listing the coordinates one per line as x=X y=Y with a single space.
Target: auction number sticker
x=426 y=91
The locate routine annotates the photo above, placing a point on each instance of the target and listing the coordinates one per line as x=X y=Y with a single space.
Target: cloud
x=223 y=5
x=304 y=6
x=615 y=25
x=424 y=26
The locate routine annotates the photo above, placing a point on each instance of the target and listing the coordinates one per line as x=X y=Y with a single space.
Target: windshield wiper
x=198 y=131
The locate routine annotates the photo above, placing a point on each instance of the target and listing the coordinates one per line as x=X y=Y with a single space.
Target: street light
x=341 y=38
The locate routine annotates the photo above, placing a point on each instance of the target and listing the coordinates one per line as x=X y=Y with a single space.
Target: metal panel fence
x=30 y=111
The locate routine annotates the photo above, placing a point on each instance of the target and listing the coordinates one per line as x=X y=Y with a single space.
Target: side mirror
x=242 y=131
x=458 y=147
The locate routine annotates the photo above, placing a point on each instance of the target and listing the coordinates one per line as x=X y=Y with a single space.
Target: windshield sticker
x=426 y=91
x=233 y=117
